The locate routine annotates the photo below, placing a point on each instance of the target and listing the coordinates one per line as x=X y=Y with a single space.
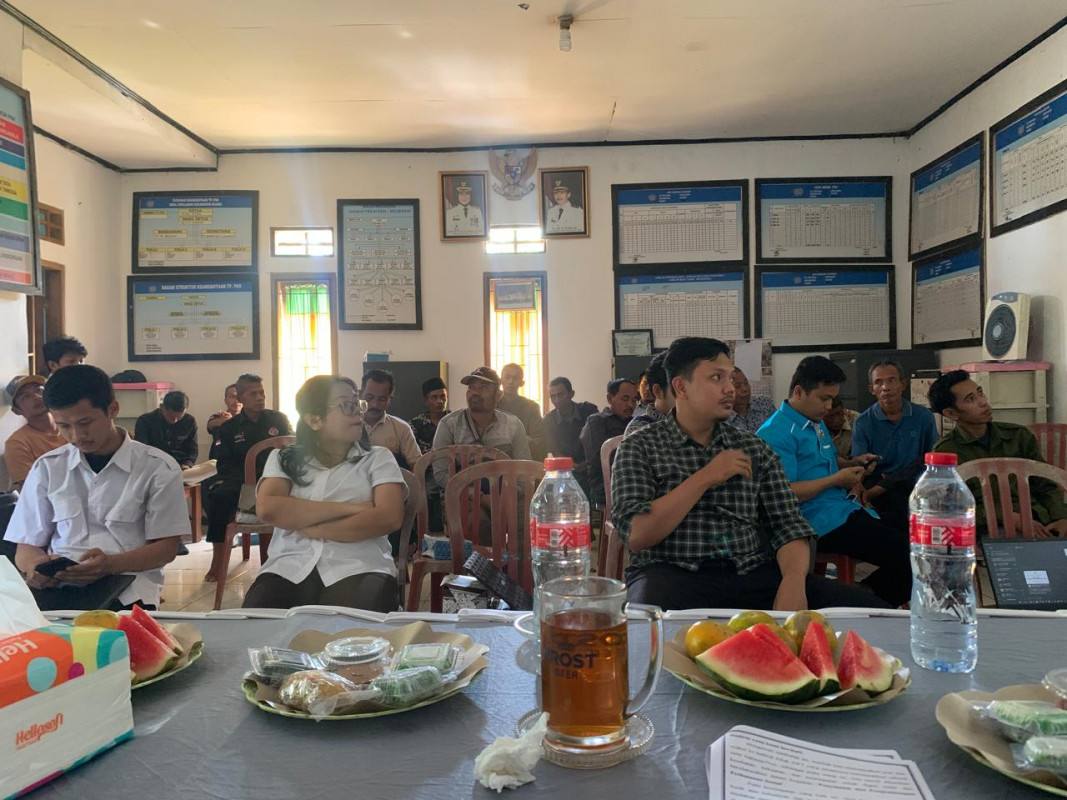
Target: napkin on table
x=506 y=763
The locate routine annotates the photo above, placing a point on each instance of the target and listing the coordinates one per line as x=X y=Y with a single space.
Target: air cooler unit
x=1007 y=321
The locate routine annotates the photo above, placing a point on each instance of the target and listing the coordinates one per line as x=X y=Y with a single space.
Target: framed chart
x=1027 y=180
x=699 y=222
x=824 y=220
x=945 y=207
x=948 y=298
x=850 y=307
x=192 y=317
x=195 y=231
x=710 y=303
x=378 y=265
x=20 y=254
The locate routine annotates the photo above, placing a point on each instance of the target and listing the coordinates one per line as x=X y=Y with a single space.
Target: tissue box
x=64 y=697
x=462 y=591
x=440 y=548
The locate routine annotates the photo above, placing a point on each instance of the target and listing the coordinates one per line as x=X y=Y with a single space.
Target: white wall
x=1030 y=259
x=303 y=190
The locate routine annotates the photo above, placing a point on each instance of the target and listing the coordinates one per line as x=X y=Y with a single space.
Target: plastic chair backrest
x=1052 y=441
x=1008 y=471
x=511 y=488
x=414 y=501
x=610 y=560
x=607 y=455
x=273 y=443
x=457 y=457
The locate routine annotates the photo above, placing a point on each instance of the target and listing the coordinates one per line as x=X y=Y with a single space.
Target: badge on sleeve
x=272 y=431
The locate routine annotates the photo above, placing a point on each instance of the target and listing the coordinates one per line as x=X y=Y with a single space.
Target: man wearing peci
x=463 y=218
x=562 y=217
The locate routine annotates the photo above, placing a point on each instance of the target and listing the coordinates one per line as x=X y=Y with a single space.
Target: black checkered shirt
x=743 y=520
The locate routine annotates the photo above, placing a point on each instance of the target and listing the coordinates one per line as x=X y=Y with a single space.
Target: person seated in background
x=214 y=422
x=110 y=503
x=64 y=351
x=424 y=426
x=663 y=397
x=827 y=485
x=645 y=398
x=332 y=503
x=170 y=429
x=750 y=411
x=604 y=425
x=236 y=437
x=957 y=397
x=38 y=436
x=705 y=508
x=839 y=421
x=528 y=412
x=481 y=422
x=901 y=434
x=382 y=429
x=563 y=425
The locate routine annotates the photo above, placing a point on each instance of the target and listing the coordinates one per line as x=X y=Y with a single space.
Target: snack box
x=440 y=548
x=64 y=698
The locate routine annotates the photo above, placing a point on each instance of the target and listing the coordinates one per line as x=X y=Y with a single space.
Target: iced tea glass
x=585 y=686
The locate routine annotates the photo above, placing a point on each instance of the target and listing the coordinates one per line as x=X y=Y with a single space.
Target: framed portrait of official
x=464 y=206
x=564 y=202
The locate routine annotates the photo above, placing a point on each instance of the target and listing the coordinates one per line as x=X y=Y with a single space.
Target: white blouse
x=294 y=556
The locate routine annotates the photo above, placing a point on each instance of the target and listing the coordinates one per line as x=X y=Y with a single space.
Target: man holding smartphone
x=111 y=504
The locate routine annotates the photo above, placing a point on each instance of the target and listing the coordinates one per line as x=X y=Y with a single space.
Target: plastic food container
x=1056 y=682
x=360 y=659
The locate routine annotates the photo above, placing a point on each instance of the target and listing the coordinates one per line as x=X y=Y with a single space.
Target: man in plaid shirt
x=705 y=508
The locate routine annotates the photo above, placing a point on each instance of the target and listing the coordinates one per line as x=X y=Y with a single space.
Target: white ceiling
x=448 y=73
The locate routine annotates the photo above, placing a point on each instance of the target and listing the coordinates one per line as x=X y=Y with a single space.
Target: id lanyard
x=477 y=436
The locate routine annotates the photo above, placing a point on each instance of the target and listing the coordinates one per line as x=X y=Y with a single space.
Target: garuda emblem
x=513 y=171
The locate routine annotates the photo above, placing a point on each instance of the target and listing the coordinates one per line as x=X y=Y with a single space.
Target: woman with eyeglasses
x=332 y=503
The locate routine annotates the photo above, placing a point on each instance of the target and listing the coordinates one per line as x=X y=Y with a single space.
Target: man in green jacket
x=955 y=396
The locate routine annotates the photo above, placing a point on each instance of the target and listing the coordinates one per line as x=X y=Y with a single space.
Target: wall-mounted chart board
x=20 y=262
x=946 y=200
x=1028 y=164
x=712 y=303
x=824 y=220
x=947 y=298
x=192 y=317
x=190 y=231
x=378 y=264
x=692 y=223
x=849 y=307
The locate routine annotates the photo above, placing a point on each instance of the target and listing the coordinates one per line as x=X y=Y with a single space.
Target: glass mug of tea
x=585 y=685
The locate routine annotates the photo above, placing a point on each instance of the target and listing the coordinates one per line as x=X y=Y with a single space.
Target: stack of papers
x=752 y=764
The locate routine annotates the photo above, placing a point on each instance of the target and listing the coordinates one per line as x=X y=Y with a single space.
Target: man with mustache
x=382 y=429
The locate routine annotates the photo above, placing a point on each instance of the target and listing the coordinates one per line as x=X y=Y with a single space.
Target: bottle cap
x=555 y=464
x=941 y=459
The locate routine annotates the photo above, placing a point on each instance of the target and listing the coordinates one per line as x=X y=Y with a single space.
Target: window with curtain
x=516 y=328
x=304 y=337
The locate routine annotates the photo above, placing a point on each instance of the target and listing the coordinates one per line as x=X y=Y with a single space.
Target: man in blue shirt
x=827 y=486
x=898 y=431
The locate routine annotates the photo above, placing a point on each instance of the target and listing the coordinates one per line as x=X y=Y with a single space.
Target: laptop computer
x=1028 y=573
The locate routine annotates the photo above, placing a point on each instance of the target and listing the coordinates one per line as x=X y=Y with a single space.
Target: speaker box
x=1007 y=323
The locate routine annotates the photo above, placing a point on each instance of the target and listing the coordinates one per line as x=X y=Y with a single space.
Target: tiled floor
x=184 y=588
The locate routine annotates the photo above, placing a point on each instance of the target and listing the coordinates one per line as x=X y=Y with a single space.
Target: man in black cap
x=424 y=426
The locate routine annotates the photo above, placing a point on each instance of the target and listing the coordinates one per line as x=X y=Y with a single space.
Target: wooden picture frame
x=563 y=202
x=464 y=221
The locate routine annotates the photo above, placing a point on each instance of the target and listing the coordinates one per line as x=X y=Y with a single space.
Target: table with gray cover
x=197 y=737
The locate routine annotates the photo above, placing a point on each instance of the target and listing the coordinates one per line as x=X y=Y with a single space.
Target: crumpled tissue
x=506 y=763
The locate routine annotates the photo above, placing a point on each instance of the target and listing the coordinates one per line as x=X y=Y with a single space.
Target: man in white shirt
x=563 y=217
x=112 y=504
x=383 y=429
x=463 y=218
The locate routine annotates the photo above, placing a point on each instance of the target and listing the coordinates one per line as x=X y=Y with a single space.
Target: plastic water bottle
x=560 y=541
x=944 y=627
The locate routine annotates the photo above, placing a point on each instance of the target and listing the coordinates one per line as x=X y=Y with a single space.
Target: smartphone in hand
x=50 y=568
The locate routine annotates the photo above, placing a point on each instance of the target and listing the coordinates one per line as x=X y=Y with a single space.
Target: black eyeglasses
x=350 y=408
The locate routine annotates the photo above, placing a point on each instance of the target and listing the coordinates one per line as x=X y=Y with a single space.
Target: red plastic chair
x=1052 y=441
x=248 y=527
x=414 y=501
x=511 y=488
x=846 y=566
x=457 y=457
x=612 y=556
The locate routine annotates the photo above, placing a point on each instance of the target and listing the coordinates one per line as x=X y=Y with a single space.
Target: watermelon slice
x=149 y=623
x=148 y=655
x=754 y=668
x=861 y=665
x=815 y=653
x=766 y=632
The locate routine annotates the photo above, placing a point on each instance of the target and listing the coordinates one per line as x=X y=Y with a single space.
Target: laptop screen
x=1028 y=573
